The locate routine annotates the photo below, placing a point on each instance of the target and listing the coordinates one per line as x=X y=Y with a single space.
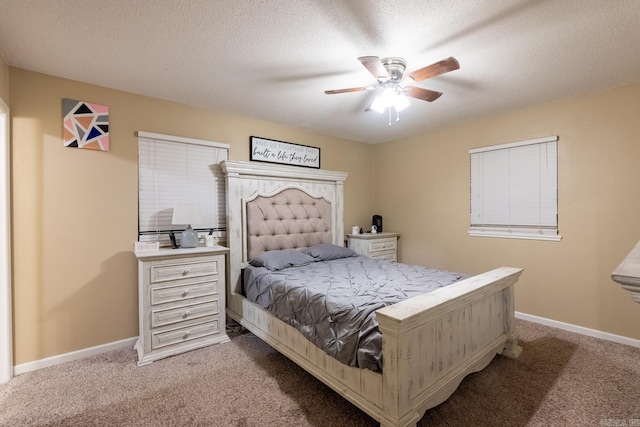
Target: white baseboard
x=129 y=342
x=579 y=329
x=74 y=355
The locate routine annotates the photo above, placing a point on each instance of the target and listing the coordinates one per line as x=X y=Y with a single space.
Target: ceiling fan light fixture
x=378 y=105
x=401 y=103
x=388 y=96
x=392 y=96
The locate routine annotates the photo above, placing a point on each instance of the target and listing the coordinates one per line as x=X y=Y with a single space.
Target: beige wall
x=422 y=190
x=75 y=211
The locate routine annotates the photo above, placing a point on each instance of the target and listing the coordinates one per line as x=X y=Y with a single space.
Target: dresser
x=375 y=245
x=181 y=300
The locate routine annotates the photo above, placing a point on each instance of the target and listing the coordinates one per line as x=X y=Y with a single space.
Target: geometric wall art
x=86 y=125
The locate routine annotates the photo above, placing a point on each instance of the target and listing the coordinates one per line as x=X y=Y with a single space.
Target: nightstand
x=181 y=301
x=379 y=245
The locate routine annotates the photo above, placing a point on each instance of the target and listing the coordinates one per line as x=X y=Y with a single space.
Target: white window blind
x=514 y=190
x=174 y=170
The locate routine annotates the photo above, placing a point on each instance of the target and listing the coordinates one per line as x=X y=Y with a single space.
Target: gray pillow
x=277 y=260
x=327 y=252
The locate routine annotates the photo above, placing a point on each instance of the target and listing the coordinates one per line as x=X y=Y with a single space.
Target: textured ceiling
x=273 y=59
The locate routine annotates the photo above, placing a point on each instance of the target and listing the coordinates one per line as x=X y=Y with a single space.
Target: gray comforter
x=333 y=303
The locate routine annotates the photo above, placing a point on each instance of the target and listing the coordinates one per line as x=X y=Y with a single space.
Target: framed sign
x=286 y=153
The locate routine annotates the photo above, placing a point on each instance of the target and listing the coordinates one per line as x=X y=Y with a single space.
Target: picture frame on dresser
x=181 y=301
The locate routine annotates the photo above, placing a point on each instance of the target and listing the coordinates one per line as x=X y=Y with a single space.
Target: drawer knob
x=186 y=335
x=185 y=293
x=186 y=314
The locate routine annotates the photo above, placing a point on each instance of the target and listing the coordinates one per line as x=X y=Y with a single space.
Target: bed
x=430 y=342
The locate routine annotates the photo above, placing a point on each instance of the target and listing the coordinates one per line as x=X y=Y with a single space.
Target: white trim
x=74 y=355
x=505 y=234
x=151 y=135
x=248 y=170
x=130 y=342
x=6 y=340
x=542 y=140
x=579 y=329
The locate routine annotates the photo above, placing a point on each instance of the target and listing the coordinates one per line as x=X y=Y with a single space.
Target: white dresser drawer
x=162 y=294
x=184 y=334
x=184 y=270
x=385 y=255
x=383 y=245
x=183 y=313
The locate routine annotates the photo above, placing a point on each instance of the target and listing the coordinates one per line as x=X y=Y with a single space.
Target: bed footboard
x=431 y=342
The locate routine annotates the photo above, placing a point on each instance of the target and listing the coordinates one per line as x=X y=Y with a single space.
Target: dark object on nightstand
x=377 y=221
x=172 y=236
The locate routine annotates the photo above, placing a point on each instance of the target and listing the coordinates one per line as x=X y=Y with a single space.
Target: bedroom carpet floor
x=561 y=379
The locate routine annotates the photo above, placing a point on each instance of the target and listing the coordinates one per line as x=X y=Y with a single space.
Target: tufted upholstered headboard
x=290 y=219
x=294 y=206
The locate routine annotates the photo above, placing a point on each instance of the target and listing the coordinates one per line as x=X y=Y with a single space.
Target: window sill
x=514 y=235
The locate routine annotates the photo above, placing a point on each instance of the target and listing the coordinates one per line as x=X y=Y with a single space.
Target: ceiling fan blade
x=423 y=94
x=351 y=89
x=436 y=69
x=375 y=67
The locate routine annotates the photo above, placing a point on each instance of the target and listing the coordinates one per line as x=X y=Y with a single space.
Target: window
x=174 y=170
x=514 y=190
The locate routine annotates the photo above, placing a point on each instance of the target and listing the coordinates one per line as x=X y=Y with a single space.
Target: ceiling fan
x=395 y=86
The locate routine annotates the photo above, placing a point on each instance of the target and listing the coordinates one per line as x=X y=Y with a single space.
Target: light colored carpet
x=561 y=379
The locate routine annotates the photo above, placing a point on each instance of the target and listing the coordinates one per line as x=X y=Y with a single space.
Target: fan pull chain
x=397 y=116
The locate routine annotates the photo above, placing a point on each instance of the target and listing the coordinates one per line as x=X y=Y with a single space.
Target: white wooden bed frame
x=430 y=342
